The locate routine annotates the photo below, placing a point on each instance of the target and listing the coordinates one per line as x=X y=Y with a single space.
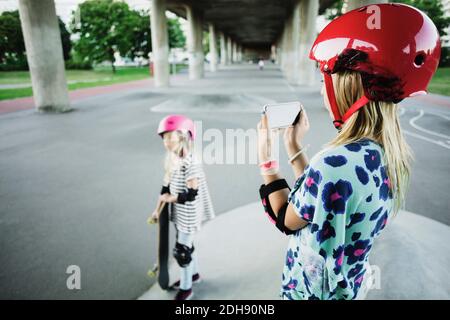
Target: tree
x=106 y=27
x=12 y=45
x=205 y=42
x=177 y=38
x=65 y=39
x=142 y=41
x=335 y=10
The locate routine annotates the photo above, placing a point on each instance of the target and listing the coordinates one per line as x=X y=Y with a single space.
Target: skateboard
x=161 y=269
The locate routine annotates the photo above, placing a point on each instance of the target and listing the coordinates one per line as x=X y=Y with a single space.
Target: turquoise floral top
x=345 y=196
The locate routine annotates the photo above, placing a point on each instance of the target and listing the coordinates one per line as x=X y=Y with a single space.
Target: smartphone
x=283 y=115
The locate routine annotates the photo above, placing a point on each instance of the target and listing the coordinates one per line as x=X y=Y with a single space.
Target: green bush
x=16 y=64
x=445 y=57
x=78 y=65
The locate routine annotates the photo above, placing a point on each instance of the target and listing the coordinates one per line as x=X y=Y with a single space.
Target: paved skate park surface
x=411 y=255
x=77 y=188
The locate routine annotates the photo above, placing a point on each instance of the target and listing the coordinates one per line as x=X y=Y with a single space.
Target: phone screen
x=282 y=115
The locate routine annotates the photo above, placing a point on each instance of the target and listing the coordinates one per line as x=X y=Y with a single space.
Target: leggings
x=188 y=271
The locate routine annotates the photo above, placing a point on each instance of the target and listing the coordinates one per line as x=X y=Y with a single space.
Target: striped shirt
x=189 y=216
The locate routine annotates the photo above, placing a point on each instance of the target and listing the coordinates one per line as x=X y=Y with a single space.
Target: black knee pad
x=183 y=254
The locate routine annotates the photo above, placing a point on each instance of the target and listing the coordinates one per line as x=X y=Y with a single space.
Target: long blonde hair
x=183 y=147
x=378 y=121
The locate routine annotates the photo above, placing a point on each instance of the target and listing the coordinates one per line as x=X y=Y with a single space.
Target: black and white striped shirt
x=189 y=216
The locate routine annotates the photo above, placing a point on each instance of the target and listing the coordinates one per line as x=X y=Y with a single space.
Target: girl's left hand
x=294 y=135
x=166 y=197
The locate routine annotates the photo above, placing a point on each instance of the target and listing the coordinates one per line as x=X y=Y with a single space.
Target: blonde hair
x=183 y=147
x=377 y=121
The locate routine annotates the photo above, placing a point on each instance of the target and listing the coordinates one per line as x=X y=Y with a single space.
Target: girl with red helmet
x=185 y=188
x=346 y=194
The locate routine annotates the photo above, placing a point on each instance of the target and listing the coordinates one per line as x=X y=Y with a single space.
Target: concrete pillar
x=238 y=49
x=223 y=50
x=285 y=45
x=229 y=51
x=235 y=52
x=44 y=54
x=295 y=42
x=160 y=43
x=212 y=48
x=280 y=52
x=353 y=4
x=293 y=54
x=195 y=43
x=309 y=10
x=273 y=52
x=277 y=53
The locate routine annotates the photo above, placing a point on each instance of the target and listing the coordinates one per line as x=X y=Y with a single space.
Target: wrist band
x=269 y=167
x=298 y=153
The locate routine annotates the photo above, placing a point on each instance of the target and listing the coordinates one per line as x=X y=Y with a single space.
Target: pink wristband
x=271 y=164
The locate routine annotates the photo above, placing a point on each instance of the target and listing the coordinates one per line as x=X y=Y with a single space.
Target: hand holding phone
x=283 y=115
x=294 y=135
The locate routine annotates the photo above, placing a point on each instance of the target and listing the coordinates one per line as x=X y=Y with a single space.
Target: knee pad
x=183 y=254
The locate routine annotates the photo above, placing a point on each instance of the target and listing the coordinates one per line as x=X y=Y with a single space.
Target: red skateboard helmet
x=395 y=47
x=177 y=122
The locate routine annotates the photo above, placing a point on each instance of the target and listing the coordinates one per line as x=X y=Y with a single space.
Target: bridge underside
x=251 y=23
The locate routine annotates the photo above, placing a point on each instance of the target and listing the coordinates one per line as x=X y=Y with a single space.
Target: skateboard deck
x=161 y=269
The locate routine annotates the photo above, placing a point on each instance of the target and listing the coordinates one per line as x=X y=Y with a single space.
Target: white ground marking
x=418 y=136
x=412 y=122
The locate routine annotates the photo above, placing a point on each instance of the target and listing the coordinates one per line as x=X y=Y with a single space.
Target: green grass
x=103 y=76
x=440 y=83
x=6 y=94
x=80 y=79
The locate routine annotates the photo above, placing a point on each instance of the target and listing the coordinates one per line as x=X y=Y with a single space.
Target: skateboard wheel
x=152 y=272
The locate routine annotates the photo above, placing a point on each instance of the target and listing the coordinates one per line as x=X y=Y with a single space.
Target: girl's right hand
x=294 y=135
x=154 y=217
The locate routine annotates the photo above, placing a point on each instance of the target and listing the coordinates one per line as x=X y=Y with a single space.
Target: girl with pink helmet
x=186 y=190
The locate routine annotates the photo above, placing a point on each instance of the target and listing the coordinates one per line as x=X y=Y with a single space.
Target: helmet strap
x=332 y=99
x=361 y=102
x=338 y=120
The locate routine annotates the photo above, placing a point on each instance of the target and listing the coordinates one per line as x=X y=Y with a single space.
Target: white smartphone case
x=282 y=115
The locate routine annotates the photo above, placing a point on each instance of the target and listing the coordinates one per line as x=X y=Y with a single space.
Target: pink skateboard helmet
x=176 y=122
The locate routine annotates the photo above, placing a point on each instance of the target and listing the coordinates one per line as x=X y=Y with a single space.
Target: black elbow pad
x=165 y=189
x=277 y=219
x=280 y=220
x=186 y=196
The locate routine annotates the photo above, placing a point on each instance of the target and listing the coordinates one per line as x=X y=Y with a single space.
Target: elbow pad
x=276 y=219
x=186 y=196
x=165 y=189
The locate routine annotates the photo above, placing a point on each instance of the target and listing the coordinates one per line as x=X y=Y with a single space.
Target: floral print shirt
x=345 y=196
